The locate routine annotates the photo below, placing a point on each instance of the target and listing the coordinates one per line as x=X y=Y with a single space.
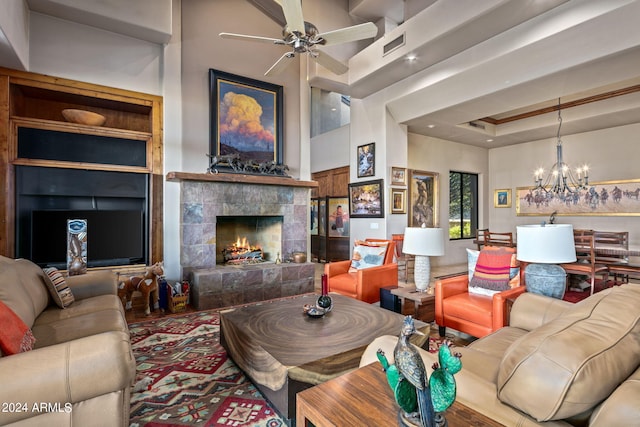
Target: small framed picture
x=502 y=198
x=398 y=201
x=366 y=160
x=398 y=176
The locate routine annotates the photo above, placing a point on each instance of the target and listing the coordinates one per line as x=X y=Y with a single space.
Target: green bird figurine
x=411 y=368
x=442 y=383
x=403 y=391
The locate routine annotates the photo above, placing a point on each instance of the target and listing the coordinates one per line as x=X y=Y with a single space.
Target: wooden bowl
x=83 y=117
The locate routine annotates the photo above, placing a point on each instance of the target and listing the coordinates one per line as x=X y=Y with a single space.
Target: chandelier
x=561 y=180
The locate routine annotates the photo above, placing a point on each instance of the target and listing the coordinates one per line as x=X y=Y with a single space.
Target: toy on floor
x=147 y=285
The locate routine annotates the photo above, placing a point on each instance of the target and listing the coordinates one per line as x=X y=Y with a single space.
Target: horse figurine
x=147 y=285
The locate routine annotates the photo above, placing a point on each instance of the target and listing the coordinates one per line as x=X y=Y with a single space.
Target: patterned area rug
x=184 y=377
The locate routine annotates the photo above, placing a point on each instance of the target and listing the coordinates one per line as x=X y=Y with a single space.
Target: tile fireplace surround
x=203 y=197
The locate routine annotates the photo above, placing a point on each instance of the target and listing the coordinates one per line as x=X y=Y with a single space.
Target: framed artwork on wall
x=398 y=176
x=338 y=216
x=398 y=201
x=366 y=160
x=366 y=199
x=608 y=198
x=313 y=217
x=423 y=198
x=245 y=118
x=322 y=215
x=502 y=198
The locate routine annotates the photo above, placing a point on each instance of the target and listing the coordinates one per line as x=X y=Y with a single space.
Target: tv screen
x=114 y=237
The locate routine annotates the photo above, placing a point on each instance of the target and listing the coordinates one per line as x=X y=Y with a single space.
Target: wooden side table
x=420 y=305
x=363 y=397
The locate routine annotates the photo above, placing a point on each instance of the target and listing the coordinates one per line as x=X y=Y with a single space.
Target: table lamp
x=543 y=246
x=423 y=242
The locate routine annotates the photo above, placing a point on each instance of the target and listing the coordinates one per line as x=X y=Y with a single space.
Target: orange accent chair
x=476 y=315
x=363 y=284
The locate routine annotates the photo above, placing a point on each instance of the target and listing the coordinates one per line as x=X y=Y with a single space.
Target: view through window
x=463 y=205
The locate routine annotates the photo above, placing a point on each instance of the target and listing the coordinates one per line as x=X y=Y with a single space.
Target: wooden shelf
x=239 y=178
x=31 y=101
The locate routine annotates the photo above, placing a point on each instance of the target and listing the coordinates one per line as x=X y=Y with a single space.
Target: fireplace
x=248 y=239
x=271 y=210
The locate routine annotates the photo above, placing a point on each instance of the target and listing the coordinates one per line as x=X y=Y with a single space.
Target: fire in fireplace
x=248 y=239
x=242 y=252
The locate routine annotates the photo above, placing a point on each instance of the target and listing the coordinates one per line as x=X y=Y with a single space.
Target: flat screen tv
x=114 y=237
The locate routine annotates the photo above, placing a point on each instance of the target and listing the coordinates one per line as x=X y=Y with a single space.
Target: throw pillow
x=15 y=335
x=60 y=292
x=472 y=260
x=367 y=255
x=492 y=270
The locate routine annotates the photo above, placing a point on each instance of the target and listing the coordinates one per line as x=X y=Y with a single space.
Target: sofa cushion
x=57 y=286
x=67 y=329
x=15 y=335
x=492 y=271
x=14 y=294
x=367 y=255
x=569 y=365
x=621 y=408
x=33 y=281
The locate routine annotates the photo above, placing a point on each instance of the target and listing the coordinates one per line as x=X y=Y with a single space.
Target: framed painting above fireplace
x=245 y=118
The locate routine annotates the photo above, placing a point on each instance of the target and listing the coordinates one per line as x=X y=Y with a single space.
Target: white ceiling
x=490 y=58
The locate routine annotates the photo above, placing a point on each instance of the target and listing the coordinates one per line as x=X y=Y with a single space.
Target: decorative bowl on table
x=83 y=117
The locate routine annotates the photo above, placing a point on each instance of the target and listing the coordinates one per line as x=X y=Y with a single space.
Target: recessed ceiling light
x=489 y=140
x=411 y=57
x=431 y=126
x=333 y=109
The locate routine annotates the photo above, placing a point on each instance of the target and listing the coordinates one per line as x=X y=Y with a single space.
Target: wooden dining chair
x=616 y=263
x=585 y=264
x=485 y=237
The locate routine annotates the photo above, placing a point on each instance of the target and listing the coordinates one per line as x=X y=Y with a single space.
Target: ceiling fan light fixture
x=303 y=36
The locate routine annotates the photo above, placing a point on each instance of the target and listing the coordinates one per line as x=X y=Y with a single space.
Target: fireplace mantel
x=239 y=178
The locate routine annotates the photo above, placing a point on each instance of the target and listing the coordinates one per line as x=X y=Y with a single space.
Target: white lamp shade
x=545 y=244
x=423 y=241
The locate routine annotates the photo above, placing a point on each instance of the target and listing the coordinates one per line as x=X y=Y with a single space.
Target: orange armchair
x=476 y=315
x=363 y=284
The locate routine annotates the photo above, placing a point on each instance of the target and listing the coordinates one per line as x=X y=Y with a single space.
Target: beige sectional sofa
x=81 y=367
x=556 y=364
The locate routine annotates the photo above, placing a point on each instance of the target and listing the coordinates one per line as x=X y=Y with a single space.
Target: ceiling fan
x=303 y=37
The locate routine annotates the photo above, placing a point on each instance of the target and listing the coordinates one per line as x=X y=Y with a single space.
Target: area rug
x=184 y=377
x=575 y=296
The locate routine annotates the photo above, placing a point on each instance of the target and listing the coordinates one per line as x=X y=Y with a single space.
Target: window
x=463 y=205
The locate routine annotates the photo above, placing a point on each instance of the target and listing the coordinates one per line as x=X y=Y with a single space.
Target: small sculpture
x=147 y=285
x=421 y=401
x=411 y=368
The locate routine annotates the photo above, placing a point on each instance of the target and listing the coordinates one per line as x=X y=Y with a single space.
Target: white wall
x=610 y=153
x=66 y=49
x=330 y=150
x=14 y=34
x=437 y=155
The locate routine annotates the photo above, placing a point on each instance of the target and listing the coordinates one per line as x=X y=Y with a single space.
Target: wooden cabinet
x=332 y=182
x=37 y=141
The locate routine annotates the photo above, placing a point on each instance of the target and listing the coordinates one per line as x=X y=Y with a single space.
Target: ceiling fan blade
x=280 y=64
x=329 y=62
x=349 y=34
x=251 y=38
x=293 y=15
